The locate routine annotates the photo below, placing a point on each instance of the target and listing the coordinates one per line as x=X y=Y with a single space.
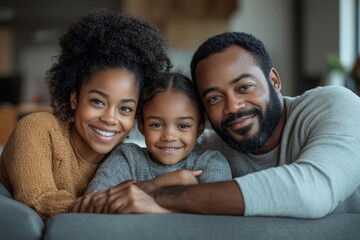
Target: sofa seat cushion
x=191 y=226
x=18 y=221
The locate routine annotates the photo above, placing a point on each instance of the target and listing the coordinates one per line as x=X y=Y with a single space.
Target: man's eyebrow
x=107 y=96
x=234 y=81
x=242 y=76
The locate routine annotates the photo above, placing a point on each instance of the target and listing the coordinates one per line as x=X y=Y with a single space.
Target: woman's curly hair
x=102 y=40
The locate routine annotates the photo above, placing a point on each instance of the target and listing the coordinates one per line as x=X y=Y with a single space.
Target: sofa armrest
x=18 y=221
x=191 y=226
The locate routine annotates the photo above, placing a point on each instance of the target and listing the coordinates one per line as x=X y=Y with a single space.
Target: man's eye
x=213 y=99
x=245 y=87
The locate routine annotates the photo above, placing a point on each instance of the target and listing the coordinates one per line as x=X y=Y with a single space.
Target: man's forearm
x=209 y=198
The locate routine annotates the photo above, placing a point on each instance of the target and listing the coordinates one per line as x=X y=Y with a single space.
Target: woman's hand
x=93 y=202
x=133 y=197
x=123 y=198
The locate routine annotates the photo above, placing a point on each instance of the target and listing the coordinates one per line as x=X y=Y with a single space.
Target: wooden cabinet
x=185 y=23
x=9 y=115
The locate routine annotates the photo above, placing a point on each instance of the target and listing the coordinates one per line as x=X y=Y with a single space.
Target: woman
x=104 y=60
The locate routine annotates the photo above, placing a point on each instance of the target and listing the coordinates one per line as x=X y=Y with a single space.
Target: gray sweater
x=316 y=167
x=128 y=161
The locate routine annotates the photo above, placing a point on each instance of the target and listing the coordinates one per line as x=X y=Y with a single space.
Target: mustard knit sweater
x=40 y=166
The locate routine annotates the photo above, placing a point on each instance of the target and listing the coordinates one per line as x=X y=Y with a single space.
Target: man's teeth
x=103 y=133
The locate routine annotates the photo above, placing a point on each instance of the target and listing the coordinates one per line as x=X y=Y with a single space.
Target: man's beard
x=267 y=125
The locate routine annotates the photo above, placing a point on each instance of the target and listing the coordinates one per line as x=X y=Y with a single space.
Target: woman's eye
x=127 y=109
x=97 y=102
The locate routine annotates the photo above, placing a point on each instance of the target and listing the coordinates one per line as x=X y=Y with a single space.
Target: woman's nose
x=109 y=117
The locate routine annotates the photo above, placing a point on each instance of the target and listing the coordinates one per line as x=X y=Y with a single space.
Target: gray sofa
x=17 y=221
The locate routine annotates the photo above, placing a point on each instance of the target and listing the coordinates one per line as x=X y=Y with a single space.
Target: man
x=294 y=157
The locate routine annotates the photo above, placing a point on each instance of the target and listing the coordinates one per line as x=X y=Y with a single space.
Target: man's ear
x=275 y=79
x=201 y=127
x=140 y=126
x=73 y=100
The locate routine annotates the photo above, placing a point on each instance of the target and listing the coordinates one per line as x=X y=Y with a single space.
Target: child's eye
x=184 y=126
x=155 y=125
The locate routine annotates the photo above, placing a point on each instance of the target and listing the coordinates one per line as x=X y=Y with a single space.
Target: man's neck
x=275 y=138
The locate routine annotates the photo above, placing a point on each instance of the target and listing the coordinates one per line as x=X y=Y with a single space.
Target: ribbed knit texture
x=40 y=166
x=315 y=168
x=132 y=162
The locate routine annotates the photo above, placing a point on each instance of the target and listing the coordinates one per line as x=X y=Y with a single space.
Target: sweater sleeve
x=113 y=171
x=325 y=173
x=214 y=165
x=28 y=161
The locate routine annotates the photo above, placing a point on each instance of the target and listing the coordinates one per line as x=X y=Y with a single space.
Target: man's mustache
x=239 y=114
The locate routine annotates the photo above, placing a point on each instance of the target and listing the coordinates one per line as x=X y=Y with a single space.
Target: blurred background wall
x=301 y=35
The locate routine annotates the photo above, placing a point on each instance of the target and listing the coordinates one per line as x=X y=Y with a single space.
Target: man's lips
x=241 y=122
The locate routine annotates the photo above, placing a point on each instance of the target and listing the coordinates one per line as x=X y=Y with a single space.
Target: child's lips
x=169 y=149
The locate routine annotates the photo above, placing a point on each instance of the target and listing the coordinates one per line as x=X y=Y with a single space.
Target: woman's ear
x=73 y=100
x=140 y=126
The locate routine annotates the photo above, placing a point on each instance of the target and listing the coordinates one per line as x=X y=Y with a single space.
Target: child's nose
x=169 y=134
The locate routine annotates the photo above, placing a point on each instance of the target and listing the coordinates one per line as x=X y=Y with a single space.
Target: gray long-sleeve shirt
x=315 y=168
x=128 y=161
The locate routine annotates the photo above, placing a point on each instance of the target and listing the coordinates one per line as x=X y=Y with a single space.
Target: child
x=171 y=118
x=50 y=159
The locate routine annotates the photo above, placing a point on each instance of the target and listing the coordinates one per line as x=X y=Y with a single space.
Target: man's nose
x=233 y=104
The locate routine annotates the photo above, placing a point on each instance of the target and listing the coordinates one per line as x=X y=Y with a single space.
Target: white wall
x=320 y=34
x=270 y=21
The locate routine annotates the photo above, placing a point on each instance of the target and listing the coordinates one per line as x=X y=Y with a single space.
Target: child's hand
x=179 y=177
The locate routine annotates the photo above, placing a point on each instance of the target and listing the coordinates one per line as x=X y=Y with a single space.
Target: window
x=349 y=33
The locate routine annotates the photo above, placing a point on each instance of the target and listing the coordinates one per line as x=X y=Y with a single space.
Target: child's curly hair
x=104 y=40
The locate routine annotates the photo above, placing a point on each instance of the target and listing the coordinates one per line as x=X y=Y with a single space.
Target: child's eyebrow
x=186 y=117
x=179 y=118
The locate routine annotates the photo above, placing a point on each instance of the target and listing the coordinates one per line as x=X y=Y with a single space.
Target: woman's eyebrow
x=107 y=96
